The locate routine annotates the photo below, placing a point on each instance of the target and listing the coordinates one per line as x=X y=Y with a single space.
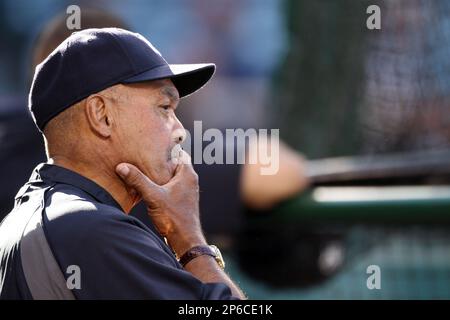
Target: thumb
x=134 y=178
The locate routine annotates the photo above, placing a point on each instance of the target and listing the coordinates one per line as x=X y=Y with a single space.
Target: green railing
x=380 y=204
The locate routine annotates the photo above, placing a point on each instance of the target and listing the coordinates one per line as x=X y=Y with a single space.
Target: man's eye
x=166 y=107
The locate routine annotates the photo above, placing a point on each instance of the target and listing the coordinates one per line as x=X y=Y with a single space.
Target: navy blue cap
x=94 y=59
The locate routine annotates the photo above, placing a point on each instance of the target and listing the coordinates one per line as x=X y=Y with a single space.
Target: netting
x=345 y=90
x=407 y=78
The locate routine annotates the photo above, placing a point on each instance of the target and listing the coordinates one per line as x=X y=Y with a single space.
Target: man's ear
x=98 y=115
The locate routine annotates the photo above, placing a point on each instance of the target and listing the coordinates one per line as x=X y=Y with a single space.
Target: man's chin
x=165 y=176
x=162 y=176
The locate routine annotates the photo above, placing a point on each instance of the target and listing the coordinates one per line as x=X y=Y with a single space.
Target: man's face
x=147 y=128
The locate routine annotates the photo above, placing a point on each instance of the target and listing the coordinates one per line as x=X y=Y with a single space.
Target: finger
x=185 y=158
x=135 y=179
x=176 y=154
x=184 y=162
x=183 y=169
x=182 y=158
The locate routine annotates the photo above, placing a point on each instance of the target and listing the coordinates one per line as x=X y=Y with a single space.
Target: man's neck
x=102 y=174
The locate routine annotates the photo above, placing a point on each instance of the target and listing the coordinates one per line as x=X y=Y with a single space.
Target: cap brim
x=187 y=78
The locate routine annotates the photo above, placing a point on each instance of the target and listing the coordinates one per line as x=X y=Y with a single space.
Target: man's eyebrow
x=170 y=92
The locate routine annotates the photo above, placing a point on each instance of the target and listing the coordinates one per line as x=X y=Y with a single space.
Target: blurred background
x=367 y=109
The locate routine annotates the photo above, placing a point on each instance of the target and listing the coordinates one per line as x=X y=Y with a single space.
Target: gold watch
x=218 y=256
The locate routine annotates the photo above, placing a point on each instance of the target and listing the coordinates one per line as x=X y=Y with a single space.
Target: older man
x=105 y=101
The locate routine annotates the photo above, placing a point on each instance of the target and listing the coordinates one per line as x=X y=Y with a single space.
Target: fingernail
x=123 y=169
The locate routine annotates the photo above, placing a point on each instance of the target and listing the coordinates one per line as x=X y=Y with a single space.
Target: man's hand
x=173 y=207
x=174 y=210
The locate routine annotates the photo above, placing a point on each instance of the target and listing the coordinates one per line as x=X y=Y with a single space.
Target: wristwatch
x=197 y=251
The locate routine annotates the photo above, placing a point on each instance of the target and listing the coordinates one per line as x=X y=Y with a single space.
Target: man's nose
x=179 y=133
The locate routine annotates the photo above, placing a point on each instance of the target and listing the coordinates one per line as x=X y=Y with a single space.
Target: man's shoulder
x=66 y=201
x=73 y=215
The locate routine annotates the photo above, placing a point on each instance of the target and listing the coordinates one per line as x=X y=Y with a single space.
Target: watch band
x=198 y=251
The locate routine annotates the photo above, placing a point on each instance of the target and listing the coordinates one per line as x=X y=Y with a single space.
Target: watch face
x=219 y=257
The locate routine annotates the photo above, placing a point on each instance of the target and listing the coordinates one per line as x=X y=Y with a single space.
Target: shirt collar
x=50 y=172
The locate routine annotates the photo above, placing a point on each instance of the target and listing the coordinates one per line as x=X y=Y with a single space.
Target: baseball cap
x=94 y=59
